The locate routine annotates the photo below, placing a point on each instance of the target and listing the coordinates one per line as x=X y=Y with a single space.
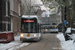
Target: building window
x=19 y=9
x=6 y=8
x=17 y=25
x=6 y=26
x=9 y=27
x=3 y=27
x=16 y=8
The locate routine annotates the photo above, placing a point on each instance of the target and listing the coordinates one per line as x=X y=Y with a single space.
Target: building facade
x=10 y=15
x=5 y=19
x=15 y=14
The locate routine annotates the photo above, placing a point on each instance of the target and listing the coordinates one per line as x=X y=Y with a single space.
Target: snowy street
x=48 y=42
x=14 y=45
x=66 y=45
x=18 y=45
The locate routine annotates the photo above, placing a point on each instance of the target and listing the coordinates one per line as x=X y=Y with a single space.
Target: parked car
x=60 y=27
x=68 y=34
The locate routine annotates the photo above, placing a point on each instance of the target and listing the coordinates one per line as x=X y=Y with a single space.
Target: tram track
x=25 y=46
x=45 y=44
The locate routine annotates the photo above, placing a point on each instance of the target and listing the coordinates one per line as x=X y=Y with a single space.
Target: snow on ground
x=14 y=45
x=66 y=45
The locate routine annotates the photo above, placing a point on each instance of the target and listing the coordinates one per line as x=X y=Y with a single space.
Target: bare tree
x=27 y=8
x=26 y=5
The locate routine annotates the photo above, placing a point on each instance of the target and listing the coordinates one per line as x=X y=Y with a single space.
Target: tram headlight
x=34 y=35
x=21 y=35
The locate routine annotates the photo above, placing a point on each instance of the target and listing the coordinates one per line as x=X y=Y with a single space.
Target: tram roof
x=29 y=16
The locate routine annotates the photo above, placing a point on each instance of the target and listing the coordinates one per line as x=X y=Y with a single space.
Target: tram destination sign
x=28 y=20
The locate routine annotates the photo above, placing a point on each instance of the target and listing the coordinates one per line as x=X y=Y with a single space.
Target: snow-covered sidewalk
x=14 y=45
x=66 y=45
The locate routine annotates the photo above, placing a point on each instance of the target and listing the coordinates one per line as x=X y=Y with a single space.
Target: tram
x=30 y=28
x=49 y=28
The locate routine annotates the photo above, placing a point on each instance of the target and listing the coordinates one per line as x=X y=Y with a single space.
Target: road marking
x=56 y=48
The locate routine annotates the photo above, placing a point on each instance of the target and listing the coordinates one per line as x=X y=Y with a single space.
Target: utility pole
x=62 y=16
x=65 y=21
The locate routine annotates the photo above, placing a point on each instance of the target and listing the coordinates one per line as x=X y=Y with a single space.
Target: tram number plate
x=28 y=35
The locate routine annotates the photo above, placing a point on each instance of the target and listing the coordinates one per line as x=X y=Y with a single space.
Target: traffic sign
x=65 y=22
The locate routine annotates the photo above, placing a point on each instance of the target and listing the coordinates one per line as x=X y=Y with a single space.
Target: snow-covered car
x=68 y=34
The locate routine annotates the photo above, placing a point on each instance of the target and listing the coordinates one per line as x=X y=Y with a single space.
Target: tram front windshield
x=29 y=27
